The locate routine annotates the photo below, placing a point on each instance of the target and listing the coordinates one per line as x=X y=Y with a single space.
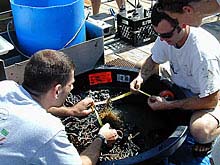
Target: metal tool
x=114 y=98
x=97 y=115
x=144 y=93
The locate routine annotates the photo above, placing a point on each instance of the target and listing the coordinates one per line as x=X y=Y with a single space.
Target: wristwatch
x=104 y=141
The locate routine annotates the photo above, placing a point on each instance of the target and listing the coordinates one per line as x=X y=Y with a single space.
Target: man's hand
x=79 y=109
x=109 y=134
x=91 y=154
x=136 y=83
x=157 y=103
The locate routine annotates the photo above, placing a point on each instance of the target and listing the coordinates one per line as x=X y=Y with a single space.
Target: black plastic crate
x=136 y=31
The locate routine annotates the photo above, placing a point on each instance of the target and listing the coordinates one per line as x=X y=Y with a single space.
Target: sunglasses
x=167 y=35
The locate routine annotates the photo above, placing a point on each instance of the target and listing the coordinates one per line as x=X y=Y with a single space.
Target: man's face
x=167 y=32
x=64 y=92
x=190 y=16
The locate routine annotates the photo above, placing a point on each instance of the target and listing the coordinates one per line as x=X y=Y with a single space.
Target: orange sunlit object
x=166 y=93
x=100 y=78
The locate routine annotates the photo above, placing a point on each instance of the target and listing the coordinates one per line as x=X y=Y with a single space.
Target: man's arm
x=217 y=6
x=79 y=109
x=197 y=103
x=201 y=6
x=149 y=68
x=192 y=103
x=91 y=154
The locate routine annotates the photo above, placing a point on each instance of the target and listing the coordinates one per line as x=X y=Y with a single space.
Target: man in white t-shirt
x=194 y=57
x=31 y=135
x=190 y=12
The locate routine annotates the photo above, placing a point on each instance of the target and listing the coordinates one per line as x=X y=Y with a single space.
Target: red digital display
x=100 y=78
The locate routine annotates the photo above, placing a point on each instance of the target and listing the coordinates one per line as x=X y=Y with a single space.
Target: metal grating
x=120 y=62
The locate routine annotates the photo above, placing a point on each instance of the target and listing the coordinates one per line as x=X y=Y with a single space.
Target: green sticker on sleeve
x=4 y=132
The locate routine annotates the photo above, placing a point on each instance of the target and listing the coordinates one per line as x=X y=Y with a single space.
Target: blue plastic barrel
x=48 y=24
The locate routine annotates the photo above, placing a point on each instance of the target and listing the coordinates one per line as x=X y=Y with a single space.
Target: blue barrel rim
x=47 y=7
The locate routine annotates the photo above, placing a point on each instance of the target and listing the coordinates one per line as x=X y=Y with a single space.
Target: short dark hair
x=45 y=69
x=157 y=16
x=175 y=6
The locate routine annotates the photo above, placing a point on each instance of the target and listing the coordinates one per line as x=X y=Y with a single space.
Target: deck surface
x=121 y=50
x=137 y=55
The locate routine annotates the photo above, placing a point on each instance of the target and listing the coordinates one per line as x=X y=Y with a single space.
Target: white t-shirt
x=196 y=65
x=28 y=134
